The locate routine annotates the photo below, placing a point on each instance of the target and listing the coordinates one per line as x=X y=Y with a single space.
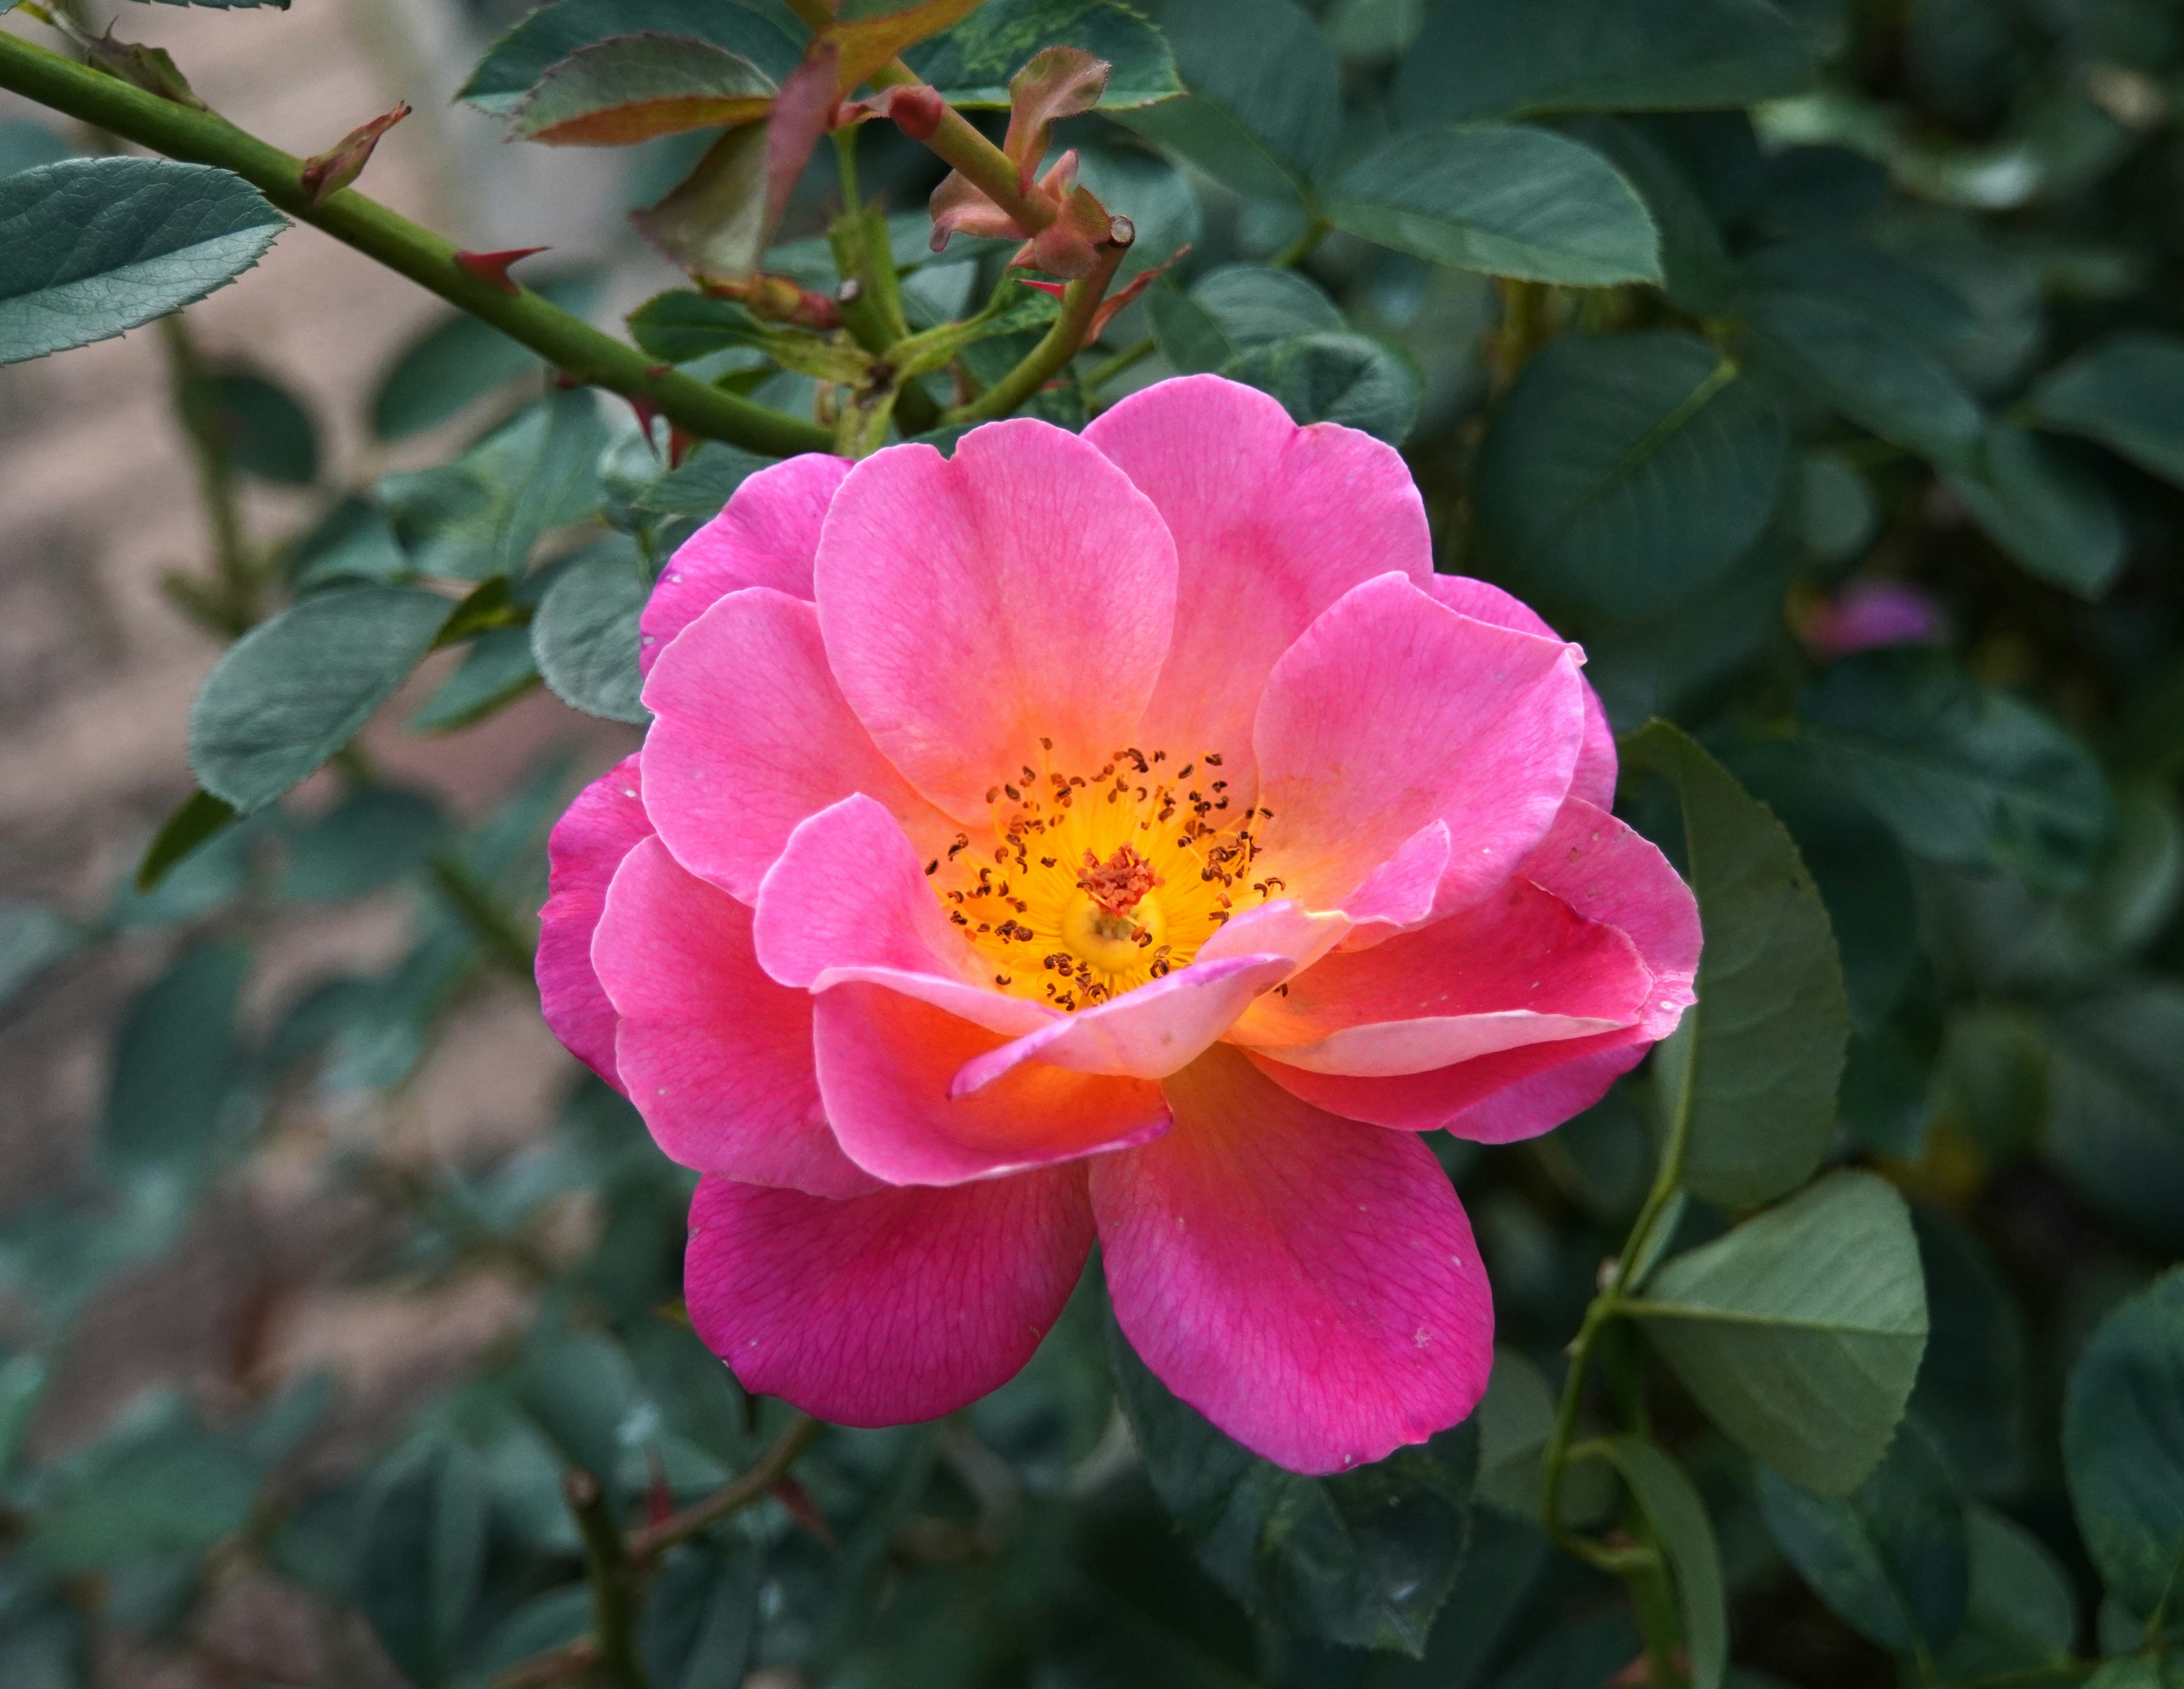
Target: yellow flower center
x=1090 y=884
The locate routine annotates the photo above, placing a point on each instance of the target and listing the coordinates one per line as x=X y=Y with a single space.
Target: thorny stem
x=646 y=1544
x=614 y=1592
x=571 y=345
x=1062 y=343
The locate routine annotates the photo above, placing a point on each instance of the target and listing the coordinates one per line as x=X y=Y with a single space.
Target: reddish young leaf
x=327 y=173
x=636 y=87
x=1059 y=82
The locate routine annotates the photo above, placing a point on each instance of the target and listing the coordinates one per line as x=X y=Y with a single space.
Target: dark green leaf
x=200 y=816
x=702 y=1616
x=1755 y=1063
x=1696 y=272
x=2123 y=1448
x=1963 y=772
x=1800 y=1332
x=1364 y=1559
x=1159 y=198
x=1624 y=471
x=1860 y=366
x=374 y=837
x=1510 y=200
x=1263 y=111
x=702 y=483
x=1478 y=58
x=160 y=1484
x=420 y=1555
x=462 y=360
x=584 y=637
x=294 y=690
x=551 y=1620
x=581 y=1390
x=498 y=669
x=1865 y=279
x=1672 y=1504
x=1342 y=378
x=2048 y=511
x=1515 y=1418
x=91 y=248
x=2128 y=392
x=481 y=514
x=266 y=432
x=1890 y=1558
x=354 y=543
x=175 y=1062
x=1234 y=308
x=681 y=326
x=552 y=32
x=1971 y=1382
x=33 y=937
x=2115 y=1089
x=2022 y=1612
x=972 y=63
x=630 y=88
x=22 y=1383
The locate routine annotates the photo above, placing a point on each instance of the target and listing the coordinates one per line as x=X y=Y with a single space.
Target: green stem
x=1127 y=357
x=1523 y=327
x=1303 y=246
x=236 y=588
x=568 y=342
x=649 y=1542
x=1080 y=300
x=614 y=1603
x=959 y=144
x=474 y=900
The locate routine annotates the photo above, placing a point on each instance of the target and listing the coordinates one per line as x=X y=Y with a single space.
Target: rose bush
x=1125 y=835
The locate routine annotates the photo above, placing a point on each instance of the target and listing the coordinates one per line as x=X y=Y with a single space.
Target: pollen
x=1089 y=883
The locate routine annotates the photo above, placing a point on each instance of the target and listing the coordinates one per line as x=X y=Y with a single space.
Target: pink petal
x=1400 y=892
x=885 y=1062
x=764 y=537
x=586 y=847
x=1272 y=523
x=1390 y=712
x=900 y=1306
x=750 y=735
x=1595 y=779
x=1022 y=590
x=1521 y=967
x=716 y=1056
x=1309 y=1285
x=1146 y=1034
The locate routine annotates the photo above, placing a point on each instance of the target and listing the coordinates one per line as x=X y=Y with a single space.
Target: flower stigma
x=1090 y=885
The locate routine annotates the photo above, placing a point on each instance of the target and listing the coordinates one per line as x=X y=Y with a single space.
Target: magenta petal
x=1520 y=968
x=717 y=1056
x=1595 y=778
x=1146 y=1034
x=900 y=1306
x=885 y=1064
x=1400 y=892
x=1308 y=1284
x=764 y=537
x=1022 y=590
x=1272 y=523
x=751 y=735
x=606 y=822
x=1390 y=712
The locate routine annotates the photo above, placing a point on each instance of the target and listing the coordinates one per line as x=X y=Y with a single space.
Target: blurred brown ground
x=97 y=673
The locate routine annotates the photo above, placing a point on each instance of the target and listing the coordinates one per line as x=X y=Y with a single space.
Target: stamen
x=1120 y=884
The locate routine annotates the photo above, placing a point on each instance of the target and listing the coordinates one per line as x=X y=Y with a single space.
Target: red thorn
x=1053 y=288
x=492 y=267
x=796 y=1502
x=326 y=173
x=566 y=382
x=655 y=371
x=647 y=412
x=659 y=1498
x=679 y=446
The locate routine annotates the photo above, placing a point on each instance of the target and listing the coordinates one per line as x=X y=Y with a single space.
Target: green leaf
x=22 y=1383
x=2049 y=512
x=1624 y=471
x=582 y=1391
x=1362 y=1559
x=1162 y=204
x=630 y=88
x=498 y=670
x=551 y=1620
x=33 y=937
x=1344 y=378
x=584 y=637
x=158 y=1485
x=703 y=482
x=1507 y=200
x=1971 y=1388
x=682 y=326
x=1672 y=1504
x=1696 y=271
x=266 y=432
x=2128 y=392
x=701 y=1616
x=1757 y=1060
x=2022 y=1612
x=2123 y=1449
x=374 y=837
x=2115 y=1103
x=1963 y=772
x=1481 y=58
x=1866 y=371
x=1800 y=1331
x=1516 y=1416
x=462 y=360
x=1263 y=110
x=971 y=63
x=422 y=1553
x=174 y=1063
x=294 y=690
x=1234 y=308
x=482 y=514
x=353 y=543
x=1890 y=1558
x=200 y=817
x=91 y=248
x=552 y=32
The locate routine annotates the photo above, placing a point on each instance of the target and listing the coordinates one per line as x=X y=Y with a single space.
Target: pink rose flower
x=1124 y=835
